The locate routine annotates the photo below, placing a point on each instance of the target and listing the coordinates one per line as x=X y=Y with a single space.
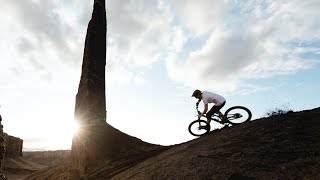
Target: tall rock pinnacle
x=97 y=143
x=90 y=105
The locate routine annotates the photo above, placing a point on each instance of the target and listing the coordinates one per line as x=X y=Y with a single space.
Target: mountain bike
x=233 y=116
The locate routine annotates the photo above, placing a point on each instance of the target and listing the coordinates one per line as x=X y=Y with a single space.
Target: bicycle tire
x=193 y=128
x=229 y=115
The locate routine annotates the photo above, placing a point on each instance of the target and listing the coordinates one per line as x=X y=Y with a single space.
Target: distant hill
x=278 y=147
x=47 y=158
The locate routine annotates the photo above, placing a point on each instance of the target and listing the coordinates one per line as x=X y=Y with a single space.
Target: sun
x=60 y=135
x=74 y=127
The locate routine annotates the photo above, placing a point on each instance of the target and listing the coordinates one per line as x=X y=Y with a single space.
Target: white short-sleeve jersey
x=209 y=97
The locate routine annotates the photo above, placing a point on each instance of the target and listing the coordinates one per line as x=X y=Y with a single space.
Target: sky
x=261 y=54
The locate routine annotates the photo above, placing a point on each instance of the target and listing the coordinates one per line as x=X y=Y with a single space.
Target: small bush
x=278 y=111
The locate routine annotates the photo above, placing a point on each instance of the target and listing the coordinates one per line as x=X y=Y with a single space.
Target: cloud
x=179 y=39
x=41 y=20
x=138 y=29
x=24 y=45
x=199 y=16
x=41 y=29
x=203 y=42
x=48 y=32
x=257 y=43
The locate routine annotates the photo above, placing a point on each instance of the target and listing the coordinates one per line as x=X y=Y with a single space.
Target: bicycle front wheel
x=238 y=114
x=195 y=130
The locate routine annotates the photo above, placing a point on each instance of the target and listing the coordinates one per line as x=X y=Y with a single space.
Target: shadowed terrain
x=279 y=147
x=18 y=167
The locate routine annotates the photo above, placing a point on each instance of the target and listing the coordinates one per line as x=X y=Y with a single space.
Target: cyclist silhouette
x=209 y=97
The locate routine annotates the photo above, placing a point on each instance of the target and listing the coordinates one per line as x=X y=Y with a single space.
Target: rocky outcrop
x=14 y=146
x=10 y=147
x=97 y=143
x=90 y=105
x=106 y=146
x=88 y=147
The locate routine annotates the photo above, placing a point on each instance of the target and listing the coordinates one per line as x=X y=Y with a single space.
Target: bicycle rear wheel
x=195 y=130
x=238 y=114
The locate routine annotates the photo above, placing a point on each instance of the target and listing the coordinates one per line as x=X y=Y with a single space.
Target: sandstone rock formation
x=97 y=143
x=105 y=146
x=9 y=147
x=14 y=146
x=90 y=105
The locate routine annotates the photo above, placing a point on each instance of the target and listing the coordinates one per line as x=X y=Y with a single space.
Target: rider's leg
x=215 y=109
x=208 y=116
x=205 y=127
x=208 y=122
x=223 y=118
x=210 y=113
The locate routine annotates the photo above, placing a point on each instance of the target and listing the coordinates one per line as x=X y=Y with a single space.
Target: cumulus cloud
x=138 y=29
x=41 y=28
x=260 y=46
x=235 y=40
x=42 y=22
x=199 y=16
x=138 y=34
x=24 y=46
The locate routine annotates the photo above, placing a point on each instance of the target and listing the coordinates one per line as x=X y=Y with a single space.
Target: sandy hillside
x=31 y=162
x=18 y=168
x=279 y=147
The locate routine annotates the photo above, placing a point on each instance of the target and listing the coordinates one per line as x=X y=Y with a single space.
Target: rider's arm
x=205 y=109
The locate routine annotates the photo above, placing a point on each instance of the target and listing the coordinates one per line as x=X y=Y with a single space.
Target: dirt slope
x=279 y=147
x=17 y=167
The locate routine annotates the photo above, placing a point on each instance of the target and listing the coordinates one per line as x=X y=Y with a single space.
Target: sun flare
x=60 y=135
x=74 y=127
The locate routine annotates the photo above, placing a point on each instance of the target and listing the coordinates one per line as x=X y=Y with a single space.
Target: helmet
x=196 y=93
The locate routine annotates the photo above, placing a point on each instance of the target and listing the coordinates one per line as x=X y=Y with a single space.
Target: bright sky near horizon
x=261 y=54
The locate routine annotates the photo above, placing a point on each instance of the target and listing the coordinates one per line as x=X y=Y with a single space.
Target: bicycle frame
x=217 y=119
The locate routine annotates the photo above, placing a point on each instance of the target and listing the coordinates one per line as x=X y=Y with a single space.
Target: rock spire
x=90 y=105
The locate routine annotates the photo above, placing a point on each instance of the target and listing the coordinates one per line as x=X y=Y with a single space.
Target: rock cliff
x=90 y=106
x=14 y=146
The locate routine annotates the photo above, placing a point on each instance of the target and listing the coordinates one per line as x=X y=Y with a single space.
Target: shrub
x=278 y=111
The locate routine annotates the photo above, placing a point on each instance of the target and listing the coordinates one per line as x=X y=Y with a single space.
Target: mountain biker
x=210 y=97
